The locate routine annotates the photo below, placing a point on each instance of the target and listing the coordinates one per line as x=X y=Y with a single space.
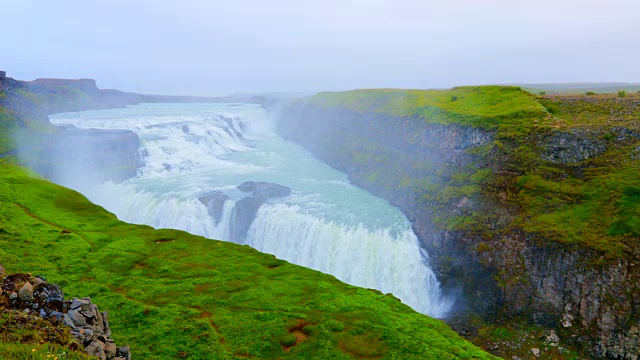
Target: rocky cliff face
x=508 y=272
x=68 y=154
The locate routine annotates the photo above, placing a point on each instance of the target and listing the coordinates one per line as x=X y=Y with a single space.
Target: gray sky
x=216 y=47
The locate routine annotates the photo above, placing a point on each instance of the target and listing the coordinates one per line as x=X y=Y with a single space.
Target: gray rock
x=87 y=334
x=96 y=348
x=56 y=316
x=66 y=319
x=566 y=147
x=26 y=292
x=38 y=284
x=265 y=190
x=535 y=352
x=78 y=319
x=83 y=304
x=13 y=296
x=215 y=204
x=124 y=352
x=110 y=348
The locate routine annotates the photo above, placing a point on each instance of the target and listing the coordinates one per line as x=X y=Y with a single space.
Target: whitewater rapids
x=326 y=223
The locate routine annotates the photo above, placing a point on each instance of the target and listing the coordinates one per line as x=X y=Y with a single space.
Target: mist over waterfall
x=217 y=170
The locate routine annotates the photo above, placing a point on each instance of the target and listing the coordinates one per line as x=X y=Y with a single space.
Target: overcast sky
x=211 y=47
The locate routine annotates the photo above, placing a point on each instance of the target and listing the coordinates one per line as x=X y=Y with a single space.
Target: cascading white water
x=326 y=223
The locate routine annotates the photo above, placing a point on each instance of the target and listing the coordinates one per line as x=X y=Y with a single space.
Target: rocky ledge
x=34 y=297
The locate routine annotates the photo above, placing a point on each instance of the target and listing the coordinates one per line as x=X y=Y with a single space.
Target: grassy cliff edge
x=174 y=295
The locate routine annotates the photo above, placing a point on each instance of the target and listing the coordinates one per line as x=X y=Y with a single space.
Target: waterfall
x=325 y=223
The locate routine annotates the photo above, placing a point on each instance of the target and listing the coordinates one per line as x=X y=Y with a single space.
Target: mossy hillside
x=479 y=106
x=174 y=295
x=590 y=204
x=29 y=337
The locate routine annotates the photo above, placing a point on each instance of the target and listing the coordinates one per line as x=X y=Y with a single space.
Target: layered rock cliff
x=489 y=196
x=61 y=154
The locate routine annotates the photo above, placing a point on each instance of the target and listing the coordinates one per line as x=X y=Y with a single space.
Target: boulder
x=96 y=348
x=110 y=348
x=26 y=292
x=78 y=319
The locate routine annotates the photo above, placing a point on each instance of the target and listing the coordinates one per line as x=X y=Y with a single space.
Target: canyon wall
x=66 y=155
x=501 y=270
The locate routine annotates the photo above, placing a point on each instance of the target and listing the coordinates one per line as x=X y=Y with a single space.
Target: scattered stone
x=535 y=352
x=88 y=326
x=552 y=338
x=2 y=271
x=26 y=292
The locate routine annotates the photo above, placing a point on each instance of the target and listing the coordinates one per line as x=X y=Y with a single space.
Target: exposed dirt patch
x=203 y=287
x=297 y=331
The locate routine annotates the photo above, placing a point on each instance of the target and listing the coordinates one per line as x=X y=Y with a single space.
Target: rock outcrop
x=214 y=202
x=89 y=327
x=246 y=208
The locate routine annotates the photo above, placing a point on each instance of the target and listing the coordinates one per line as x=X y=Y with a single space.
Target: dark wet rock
x=246 y=211
x=247 y=208
x=215 y=203
x=564 y=147
x=26 y=292
x=264 y=190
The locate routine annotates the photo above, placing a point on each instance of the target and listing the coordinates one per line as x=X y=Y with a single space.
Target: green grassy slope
x=174 y=295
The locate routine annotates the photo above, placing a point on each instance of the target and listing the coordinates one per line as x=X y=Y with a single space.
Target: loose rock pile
x=90 y=327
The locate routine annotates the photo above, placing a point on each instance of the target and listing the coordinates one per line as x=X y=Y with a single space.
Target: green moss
x=172 y=294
